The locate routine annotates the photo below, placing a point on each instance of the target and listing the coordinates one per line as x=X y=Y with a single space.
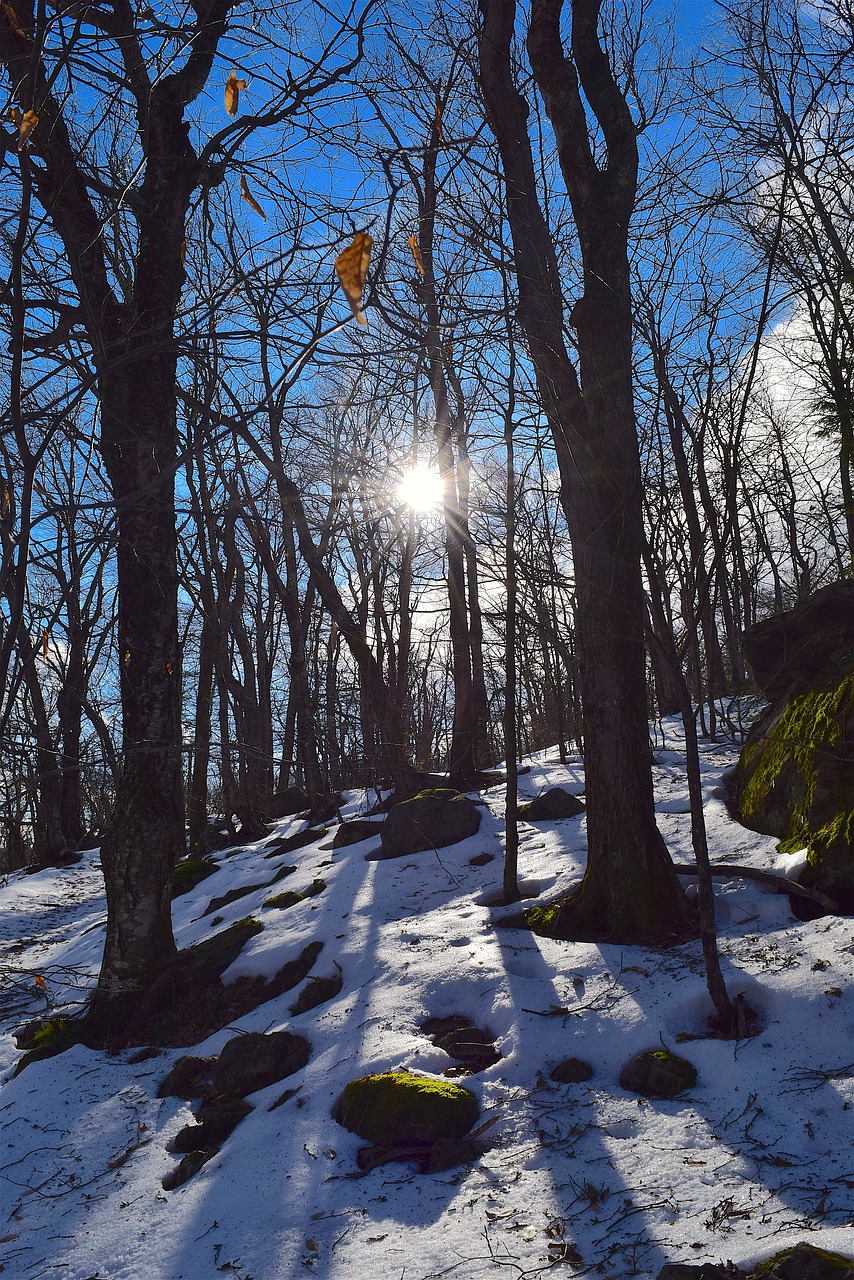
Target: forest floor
x=584 y=1177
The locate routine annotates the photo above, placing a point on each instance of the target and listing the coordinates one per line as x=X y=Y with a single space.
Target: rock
x=354 y=832
x=189 y=1166
x=805 y=1262
x=657 y=1073
x=281 y=874
x=290 y=898
x=253 y=1061
x=461 y=1039
x=189 y=872
x=216 y=953
x=396 y=1109
x=793 y=778
x=287 y=803
x=187 y=1078
x=293 y=971
x=233 y=895
x=316 y=992
x=481 y=860
x=288 y=844
x=571 y=1071
x=217 y=1119
x=555 y=803
x=215 y=837
x=787 y=650
x=430 y=820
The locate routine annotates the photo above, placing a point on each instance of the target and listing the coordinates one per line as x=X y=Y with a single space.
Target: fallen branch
x=781 y=883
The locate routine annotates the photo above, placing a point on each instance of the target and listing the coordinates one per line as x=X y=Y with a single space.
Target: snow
x=756 y=1157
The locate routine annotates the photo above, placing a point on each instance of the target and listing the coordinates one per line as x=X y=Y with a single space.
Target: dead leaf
x=416 y=253
x=351 y=267
x=376 y=1239
x=247 y=195
x=13 y=20
x=26 y=125
x=4 y=511
x=45 y=643
x=40 y=982
x=183 y=251
x=232 y=92
x=312 y=1245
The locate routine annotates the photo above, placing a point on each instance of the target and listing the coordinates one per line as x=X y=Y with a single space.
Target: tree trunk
x=630 y=892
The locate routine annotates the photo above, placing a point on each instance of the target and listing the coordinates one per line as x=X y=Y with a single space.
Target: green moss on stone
x=190 y=872
x=832 y=1263
x=54 y=1037
x=439 y=793
x=398 y=1109
x=221 y=950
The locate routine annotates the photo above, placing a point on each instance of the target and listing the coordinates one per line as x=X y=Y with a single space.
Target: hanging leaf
x=45 y=643
x=13 y=19
x=232 y=92
x=247 y=195
x=439 y=119
x=183 y=251
x=352 y=268
x=4 y=509
x=40 y=982
x=416 y=253
x=26 y=124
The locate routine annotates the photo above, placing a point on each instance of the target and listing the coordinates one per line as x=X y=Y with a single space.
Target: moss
x=218 y=952
x=439 y=793
x=291 y=897
x=190 y=872
x=811 y=722
x=399 y=1109
x=52 y=1038
x=792 y=845
x=798 y=1256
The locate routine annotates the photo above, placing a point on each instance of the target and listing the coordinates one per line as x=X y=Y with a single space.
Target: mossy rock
x=793 y=778
x=188 y=873
x=216 y=953
x=658 y=1073
x=551 y=805
x=432 y=819
x=293 y=971
x=396 y=1109
x=281 y=874
x=291 y=898
x=48 y=1038
x=805 y=1262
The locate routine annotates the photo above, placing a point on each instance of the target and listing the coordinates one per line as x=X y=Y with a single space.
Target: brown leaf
x=26 y=124
x=247 y=195
x=45 y=643
x=183 y=251
x=4 y=509
x=352 y=268
x=13 y=19
x=232 y=92
x=416 y=253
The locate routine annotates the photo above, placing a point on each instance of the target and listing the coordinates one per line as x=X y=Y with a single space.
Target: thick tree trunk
x=146 y=837
x=630 y=891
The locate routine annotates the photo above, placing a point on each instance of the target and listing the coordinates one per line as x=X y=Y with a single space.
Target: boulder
x=805 y=1262
x=430 y=820
x=354 y=832
x=317 y=992
x=555 y=803
x=571 y=1071
x=287 y=803
x=187 y=1079
x=474 y=1049
x=190 y=872
x=250 y=1062
x=657 y=1073
x=789 y=649
x=396 y=1109
x=217 y=1118
x=793 y=778
x=189 y=1166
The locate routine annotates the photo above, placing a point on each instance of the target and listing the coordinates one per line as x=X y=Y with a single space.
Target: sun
x=421 y=488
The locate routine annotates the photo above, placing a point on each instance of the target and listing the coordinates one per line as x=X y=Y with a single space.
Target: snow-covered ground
x=586 y=1177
